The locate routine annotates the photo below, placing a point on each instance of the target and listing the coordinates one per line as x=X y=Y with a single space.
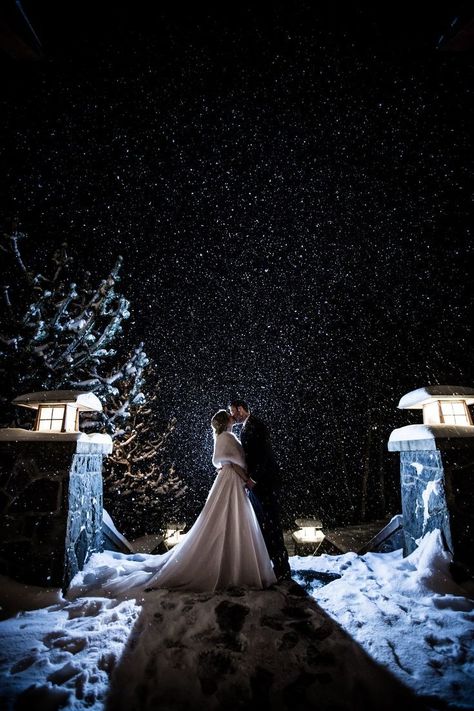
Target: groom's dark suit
x=263 y=469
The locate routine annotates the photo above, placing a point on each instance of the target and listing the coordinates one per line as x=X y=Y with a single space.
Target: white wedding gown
x=225 y=546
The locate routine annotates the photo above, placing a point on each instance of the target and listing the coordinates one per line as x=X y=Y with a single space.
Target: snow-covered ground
x=407 y=613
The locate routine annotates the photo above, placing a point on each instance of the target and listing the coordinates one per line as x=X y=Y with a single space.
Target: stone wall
x=50 y=509
x=437 y=489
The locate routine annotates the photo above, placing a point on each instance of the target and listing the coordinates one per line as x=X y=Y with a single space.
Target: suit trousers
x=267 y=511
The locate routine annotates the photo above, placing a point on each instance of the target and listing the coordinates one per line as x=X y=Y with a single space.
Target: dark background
x=290 y=185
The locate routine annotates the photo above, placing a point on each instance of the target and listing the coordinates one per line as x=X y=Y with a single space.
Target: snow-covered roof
x=425 y=437
x=16 y=434
x=83 y=400
x=415 y=399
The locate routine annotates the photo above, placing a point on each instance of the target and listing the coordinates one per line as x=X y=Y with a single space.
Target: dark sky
x=290 y=184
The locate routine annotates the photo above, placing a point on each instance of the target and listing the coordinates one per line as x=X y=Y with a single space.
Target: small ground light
x=174 y=534
x=308 y=537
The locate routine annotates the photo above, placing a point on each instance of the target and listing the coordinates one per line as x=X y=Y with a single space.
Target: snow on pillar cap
x=415 y=399
x=82 y=400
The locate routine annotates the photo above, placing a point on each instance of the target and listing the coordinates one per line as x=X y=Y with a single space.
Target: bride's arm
x=241 y=472
x=244 y=476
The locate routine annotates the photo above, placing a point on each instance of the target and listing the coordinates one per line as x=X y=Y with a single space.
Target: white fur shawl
x=227 y=448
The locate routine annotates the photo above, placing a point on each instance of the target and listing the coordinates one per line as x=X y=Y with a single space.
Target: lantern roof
x=81 y=399
x=415 y=399
x=308 y=522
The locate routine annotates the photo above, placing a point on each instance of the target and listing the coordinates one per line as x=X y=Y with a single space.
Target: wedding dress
x=225 y=546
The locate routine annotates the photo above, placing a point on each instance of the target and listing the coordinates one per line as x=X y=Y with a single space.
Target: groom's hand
x=250 y=483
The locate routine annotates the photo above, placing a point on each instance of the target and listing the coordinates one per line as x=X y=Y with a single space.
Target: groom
x=263 y=470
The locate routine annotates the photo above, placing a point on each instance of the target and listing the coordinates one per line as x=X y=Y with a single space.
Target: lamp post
x=51 y=490
x=437 y=470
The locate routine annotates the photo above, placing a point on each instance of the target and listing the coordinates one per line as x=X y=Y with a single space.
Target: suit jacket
x=261 y=463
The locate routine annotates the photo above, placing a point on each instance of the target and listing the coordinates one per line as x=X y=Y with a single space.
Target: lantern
x=54 y=476
x=441 y=404
x=308 y=537
x=436 y=471
x=174 y=534
x=58 y=410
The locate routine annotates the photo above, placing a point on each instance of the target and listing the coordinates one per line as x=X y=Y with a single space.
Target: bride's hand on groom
x=250 y=483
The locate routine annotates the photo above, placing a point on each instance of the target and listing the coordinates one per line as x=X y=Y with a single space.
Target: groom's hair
x=240 y=403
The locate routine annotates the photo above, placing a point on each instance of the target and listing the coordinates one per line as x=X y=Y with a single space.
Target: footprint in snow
x=70 y=644
x=63 y=675
x=90 y=609
x=23 y=664
x=439 y=644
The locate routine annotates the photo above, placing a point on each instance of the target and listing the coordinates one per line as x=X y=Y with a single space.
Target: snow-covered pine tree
x=58 y=333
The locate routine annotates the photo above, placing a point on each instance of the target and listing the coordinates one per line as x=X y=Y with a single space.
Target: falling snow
x=291 y=195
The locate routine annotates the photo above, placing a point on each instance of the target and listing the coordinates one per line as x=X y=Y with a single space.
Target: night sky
x=291 y=188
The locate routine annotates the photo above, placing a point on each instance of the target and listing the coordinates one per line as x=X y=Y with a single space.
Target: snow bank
x=407 y=613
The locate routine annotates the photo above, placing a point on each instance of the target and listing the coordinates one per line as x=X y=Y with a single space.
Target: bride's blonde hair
x=220 y=421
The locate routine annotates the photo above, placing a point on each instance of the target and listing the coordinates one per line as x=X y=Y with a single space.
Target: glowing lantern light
x=441 y=404
x=58 y=410
x=174 y=534
x=308 y=537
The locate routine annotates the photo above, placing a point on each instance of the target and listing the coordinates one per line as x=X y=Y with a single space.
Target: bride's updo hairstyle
x=220 y=421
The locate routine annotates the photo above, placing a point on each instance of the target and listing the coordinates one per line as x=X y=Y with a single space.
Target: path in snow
x=275 y=649
x=272 y=649
x=183 y=651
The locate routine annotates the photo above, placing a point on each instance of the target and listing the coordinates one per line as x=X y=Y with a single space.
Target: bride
x=224 y=547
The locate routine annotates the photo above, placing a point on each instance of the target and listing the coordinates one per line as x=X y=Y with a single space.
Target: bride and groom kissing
x=237 y=539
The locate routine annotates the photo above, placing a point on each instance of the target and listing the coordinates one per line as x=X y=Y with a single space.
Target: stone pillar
x=437 y=491
x=50 y=509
